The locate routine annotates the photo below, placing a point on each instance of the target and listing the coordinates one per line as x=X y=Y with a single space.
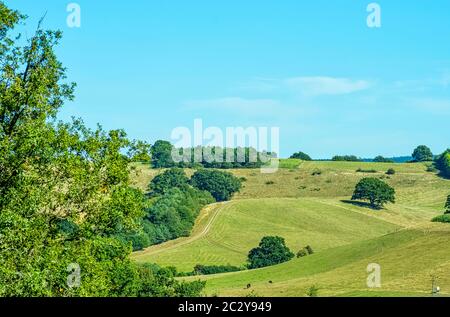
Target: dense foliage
x=346 y=158
x=422 y=154
x=220 y=184
x=443 y=163
x=271 y=251
x=140 y=151
x=171 y=216
x=214 y=269
x=163 y=154
x=162 y=183
x=377 y=192
x=301 y=156
x=65 y=193
x=381 y=159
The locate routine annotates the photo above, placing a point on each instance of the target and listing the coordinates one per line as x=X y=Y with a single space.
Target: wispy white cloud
x=317 y=86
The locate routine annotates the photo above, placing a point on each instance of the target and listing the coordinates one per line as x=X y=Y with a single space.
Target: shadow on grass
x=360 y=204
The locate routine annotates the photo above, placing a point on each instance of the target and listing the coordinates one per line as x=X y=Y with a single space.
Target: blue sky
x=312 y=68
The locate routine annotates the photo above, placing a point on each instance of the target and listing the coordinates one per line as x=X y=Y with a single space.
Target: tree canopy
x=171 y=178
x=377 y=192
x=422 y=154
x=221 y=185
x=346 y=158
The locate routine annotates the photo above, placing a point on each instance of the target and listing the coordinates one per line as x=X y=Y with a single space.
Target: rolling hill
x=307 y=204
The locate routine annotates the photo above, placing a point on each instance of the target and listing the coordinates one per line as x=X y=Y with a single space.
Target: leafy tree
x=377 y=192
x=422 y=154
x=172 y=178
x=140 y=151
x=271 y=251
x=381 y=159
x=301 y=156
x=65 y=192
x=162 y=154
x=220 y=184
x=443 y=163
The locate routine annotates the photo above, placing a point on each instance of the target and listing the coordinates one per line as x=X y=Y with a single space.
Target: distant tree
x=140 y=151
x=377 y=192
x=346 y=158
x=301 y=156
x=422 y=154
x=381 y=159
x=172 y=178
x=220 y=184
x=271 y=251
x=162 y=154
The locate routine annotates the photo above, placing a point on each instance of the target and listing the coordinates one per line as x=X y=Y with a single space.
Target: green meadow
x=307 y=203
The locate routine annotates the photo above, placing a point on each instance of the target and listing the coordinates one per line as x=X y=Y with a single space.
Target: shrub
x=390 y=171
x=172 y=178
x=377 y=192
x=302 y=253
x=221 y=185
x=301 y=156
x=271 y=251
x=309 y=250
x=270 y=183
x=214 y=269
x=443 y=218
x=313 y=291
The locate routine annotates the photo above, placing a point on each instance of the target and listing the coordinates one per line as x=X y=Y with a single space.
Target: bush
x=309 y=250
x=270 y=183
x=302 y=253
x=214 y=269
x=377 y=192
x=443 y=218
x=271 y=251
x=313 y=291
x=221 y=185
x=301 y=156
x=390 y=171
x=172 y=178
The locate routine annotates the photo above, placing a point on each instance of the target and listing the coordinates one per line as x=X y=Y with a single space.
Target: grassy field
x=307 y=204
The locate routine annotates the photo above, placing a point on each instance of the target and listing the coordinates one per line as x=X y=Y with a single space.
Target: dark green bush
x=214 y=269
x=390 y=171
x=360 y=170
x=220 y=184
x=172 y=178
x=271 y=251
x=443 y=218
